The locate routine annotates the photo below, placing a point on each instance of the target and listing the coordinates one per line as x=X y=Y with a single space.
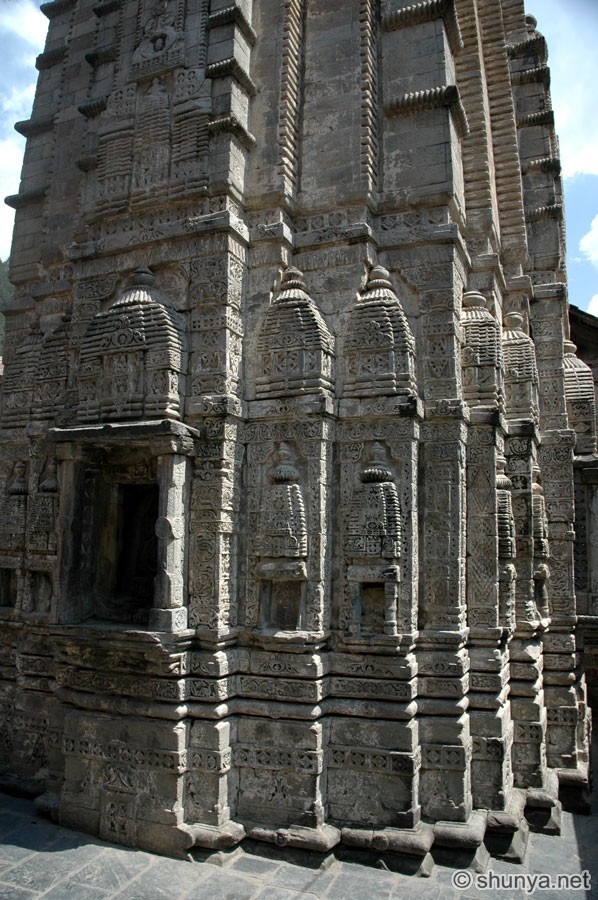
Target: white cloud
x=18 y=102
x=593 y=306
x=11 y=158
x=24 y=19
x=588 y=245
x=571 y=30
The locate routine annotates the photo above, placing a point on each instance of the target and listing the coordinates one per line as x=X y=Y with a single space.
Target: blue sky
x=570 y=27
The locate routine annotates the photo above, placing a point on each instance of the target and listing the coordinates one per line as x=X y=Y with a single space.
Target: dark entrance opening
x=137 y=543
x=120 y=571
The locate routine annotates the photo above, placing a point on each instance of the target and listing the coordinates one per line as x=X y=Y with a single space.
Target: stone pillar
x=169 y=612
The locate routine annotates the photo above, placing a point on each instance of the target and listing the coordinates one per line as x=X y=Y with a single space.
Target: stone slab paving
x=40 y=859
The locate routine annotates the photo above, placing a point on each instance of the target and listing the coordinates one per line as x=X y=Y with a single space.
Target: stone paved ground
x=39 y=859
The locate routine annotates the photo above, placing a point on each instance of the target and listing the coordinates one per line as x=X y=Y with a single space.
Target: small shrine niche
x=379 y=347
x=295 y=346
x=481 y=357
x=373 y=536
x=282 y=546
x=132 y=359
x=581 y=400
x=521 y=371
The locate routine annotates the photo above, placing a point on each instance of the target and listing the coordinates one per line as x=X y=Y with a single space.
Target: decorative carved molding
x=108 y=6
x=87 y=163
x=30 y=127
x=544 y=117
x=427 y=11
x=25 y=198
x=535 y=45
x=369 y=93
x=232 y=68
x=50 y=58
x=550 y=211
x=233 y=15
x=232 y=125
x=543 y=164
x=446 y=96
x=55 y=8
x=93 y=108
x=290 y=93
x=101 y=55
x=540 y=74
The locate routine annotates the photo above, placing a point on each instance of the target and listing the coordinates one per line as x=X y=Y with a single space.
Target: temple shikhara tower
x=289 y=423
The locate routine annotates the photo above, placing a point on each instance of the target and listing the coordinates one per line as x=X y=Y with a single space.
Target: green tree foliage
x=6 y=292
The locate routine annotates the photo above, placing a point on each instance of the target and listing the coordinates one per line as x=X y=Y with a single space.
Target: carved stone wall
x=289 y=429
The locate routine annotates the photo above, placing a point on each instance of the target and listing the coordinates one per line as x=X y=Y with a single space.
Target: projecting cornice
x=233 y=15
x=39 y=125
x=55 y=8
x=427 y=11
x=446 y=96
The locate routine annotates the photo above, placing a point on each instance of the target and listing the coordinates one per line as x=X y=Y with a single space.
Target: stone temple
x=289 y=425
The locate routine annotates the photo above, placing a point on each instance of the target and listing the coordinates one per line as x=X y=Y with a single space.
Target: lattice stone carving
x=521 y=372
x=295 y=345
x=482 y=353
x=132 y=357
x=379 y=348
x=581 y=400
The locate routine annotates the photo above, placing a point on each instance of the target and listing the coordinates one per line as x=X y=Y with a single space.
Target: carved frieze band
x=140 y=756
x=256 y=757
x=366 y=759
x=446 y=96
x=427 y=11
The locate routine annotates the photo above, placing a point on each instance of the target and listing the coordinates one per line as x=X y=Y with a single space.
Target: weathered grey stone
x=288 y=433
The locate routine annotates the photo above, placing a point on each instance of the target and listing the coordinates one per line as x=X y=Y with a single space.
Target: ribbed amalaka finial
x=292 y=278
x=142 y=277
x=378 y=277
x=471 y=299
